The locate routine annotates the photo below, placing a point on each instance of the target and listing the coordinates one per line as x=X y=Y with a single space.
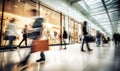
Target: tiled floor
x=105 y=58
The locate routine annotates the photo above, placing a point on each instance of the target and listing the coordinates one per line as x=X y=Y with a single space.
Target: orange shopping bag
x=40 y=45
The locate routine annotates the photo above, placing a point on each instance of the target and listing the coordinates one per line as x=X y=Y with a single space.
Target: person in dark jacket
x=118 y=39
x=64 y=37
x=115 y=38
x=37 y=30
x=85 y=33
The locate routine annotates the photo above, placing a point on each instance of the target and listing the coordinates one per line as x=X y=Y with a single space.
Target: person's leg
x=115 y=42
x=98 y=42
x=26 y=42
x=21 y=42
x=83 y=44
x=42 y=55
x=24 y=61
x=11 y=42
x=87 y=44
x=65 y=43
x=25 y=38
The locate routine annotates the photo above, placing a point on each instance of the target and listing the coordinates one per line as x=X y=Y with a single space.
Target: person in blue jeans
x=98 y=37
x=85 y=33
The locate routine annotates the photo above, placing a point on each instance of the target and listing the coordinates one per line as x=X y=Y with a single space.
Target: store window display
x=73 y=31
x=1 y=1
x=52 y=22
x=71 y=24
x=18 y=10
x=76 y=32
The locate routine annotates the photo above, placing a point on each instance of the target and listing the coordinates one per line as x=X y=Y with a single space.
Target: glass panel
x=76 y=32
x=97 y=10
x=107 y=26
x=93 y=5
x=101 y=18
x=18 y=10
x=0 y=20
x=83 y=5
x=52 y=24
x=71 y=30
x=80 y=31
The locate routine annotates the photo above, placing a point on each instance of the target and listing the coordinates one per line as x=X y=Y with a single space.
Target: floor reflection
x=71 y=59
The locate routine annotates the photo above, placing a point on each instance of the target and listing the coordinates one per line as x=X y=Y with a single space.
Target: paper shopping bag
x=40 y=45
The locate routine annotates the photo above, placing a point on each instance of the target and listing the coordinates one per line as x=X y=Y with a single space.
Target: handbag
x=5 y=36
x=40 y=45
x=90 y=38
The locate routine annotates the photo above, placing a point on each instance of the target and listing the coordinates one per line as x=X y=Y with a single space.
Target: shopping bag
x=40 y=45
x=90 y=38
x=105 y=41
x=5 y=36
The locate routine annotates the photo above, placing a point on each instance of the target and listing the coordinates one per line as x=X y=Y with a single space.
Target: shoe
x=40 y=60
x=65 y=48
x=22 y=63
x=83 y=50
x=90 y=49
x=21 y=66
x=18 y=46
x=11 y=50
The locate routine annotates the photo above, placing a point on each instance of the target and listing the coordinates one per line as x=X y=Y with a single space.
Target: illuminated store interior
x=54 y=21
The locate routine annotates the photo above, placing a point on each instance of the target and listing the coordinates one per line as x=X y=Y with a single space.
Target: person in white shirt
x=11 y=32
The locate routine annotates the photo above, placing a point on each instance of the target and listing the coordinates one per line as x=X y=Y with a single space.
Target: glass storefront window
x=1 y=5
x=79 y=32
x=71 y=31
x=18 y=10
x=52 y=24
x=76 y=32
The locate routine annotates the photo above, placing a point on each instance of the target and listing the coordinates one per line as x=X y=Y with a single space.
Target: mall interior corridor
x=104 y=58
x=56 y=23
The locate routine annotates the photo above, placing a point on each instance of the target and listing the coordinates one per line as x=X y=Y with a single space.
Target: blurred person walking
x=35 y=34
x=85 y=33
x=115 y=38
x=98 y=37
x=65 y=35
x=24 y=32
x=108 y=39
x=11 y=33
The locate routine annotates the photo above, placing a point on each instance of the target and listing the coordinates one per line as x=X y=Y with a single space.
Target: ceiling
x=103 y=13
